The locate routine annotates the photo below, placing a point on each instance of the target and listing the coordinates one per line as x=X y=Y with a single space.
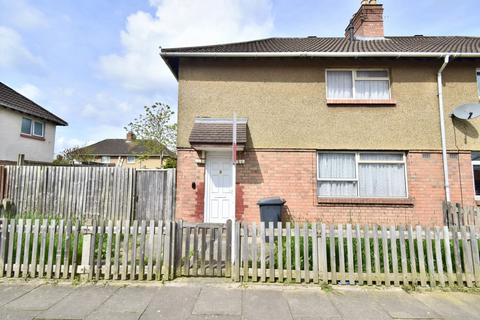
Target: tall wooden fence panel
x=85 y=192
x=301 y=253
x=72 y=191
x=155 y=195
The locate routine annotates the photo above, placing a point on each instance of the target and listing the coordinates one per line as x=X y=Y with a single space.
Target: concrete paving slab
x=448 y=305
x=125 y=303
x=40 y=298
x=218 y=301
x=172 y=303
x=471 y=301
x=401 y=305
x=10 y=292
x=12 y=314
x=356 y=304
x=265 y=304
x=80 y=303
x=310 y=305
x=213 y=317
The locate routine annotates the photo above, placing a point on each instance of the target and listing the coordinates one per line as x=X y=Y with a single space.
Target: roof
x=342 y=44
x=217 y=131
x=422 y=46
x=119 y=147
x=11 y=99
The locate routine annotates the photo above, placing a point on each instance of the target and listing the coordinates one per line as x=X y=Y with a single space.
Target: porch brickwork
x=291 y=174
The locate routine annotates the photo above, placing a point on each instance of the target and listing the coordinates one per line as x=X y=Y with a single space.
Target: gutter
x=167 y=54
x=442 y=126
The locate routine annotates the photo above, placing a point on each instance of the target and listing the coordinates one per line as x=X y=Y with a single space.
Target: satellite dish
x=467 y=111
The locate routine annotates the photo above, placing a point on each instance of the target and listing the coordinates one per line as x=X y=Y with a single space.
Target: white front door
x=218 y=187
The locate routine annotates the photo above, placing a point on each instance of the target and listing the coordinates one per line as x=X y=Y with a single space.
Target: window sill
x=385 y=102
x=23 y=135
x=366 y=201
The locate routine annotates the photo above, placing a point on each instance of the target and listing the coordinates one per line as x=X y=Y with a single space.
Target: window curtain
x=381 y=180
x=339 y=84
x=336 y=166
x=337 y=189
x=371 y=89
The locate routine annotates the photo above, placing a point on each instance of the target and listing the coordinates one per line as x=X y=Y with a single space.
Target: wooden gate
x=155 y=194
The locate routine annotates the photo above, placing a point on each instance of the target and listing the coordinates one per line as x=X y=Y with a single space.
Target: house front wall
x=289 y=121
x=286 y=105
x=12 y=143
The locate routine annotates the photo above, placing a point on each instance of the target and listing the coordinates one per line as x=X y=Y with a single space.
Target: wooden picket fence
x=291 y=253
x=455 y=214
x=86 y=192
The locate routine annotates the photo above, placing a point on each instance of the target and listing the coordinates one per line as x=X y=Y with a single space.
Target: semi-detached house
x=345 y=129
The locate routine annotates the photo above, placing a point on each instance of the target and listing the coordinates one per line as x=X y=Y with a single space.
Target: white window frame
x=32 y=128
x=134 y=159
x=354 y=78
x=356 y=180
x=475 y=163
x=106 y=157
x=477 y=79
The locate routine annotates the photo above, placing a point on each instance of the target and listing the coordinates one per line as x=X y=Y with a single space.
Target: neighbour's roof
x=452 y=44
x=217 y=131
x=120 y=147
x=421 y=46
x=11 y=99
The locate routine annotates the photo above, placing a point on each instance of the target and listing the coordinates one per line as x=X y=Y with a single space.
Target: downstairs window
x=361 y=175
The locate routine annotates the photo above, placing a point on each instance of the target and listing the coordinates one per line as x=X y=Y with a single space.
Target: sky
x=96 y=63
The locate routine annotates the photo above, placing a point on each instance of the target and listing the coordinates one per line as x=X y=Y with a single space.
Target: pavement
x=207 y=299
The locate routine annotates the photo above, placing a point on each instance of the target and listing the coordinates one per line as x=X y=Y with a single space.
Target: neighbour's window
x=476 y=172
x=130 y=159
x=105 y=159
x=35 y=128
x=26 y=126
x=358 y=84
x=361 y=174
x=478 y=81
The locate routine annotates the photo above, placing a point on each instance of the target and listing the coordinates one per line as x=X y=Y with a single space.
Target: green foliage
x=154 y=129
x=170 y=163
x=70 y=155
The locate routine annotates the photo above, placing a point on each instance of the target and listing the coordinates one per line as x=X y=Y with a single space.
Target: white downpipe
x=442 y=127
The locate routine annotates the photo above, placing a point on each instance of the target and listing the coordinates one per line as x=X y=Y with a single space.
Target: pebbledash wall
x=291 y=174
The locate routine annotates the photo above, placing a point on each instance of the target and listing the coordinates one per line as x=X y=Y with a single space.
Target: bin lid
x=270 y=201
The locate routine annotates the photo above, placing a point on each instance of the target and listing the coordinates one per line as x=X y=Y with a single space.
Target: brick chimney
x=130 y=136
x=367 y=23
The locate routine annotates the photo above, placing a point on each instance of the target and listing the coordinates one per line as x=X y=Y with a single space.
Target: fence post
x=86 y=245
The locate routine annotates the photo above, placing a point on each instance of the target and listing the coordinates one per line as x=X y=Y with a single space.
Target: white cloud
x=30 y=91
x=12 y=50
x=181 y=23
x=21 y=14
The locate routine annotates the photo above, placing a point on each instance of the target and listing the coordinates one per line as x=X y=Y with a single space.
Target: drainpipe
x=442 y=127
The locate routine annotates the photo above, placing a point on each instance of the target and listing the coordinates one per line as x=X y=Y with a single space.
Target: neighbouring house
x=345 y=129
x=25 y=128
x=129 y=153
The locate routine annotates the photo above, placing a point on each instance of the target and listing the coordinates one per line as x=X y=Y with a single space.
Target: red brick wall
x=292 y=175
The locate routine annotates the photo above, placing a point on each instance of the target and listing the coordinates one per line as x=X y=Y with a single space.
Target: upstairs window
x=358 y=84
x=33 y=128
x=361 y=175
x=130 y=159
x=105 y=159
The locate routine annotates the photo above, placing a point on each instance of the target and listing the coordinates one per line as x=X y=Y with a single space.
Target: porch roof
x=217 y=131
